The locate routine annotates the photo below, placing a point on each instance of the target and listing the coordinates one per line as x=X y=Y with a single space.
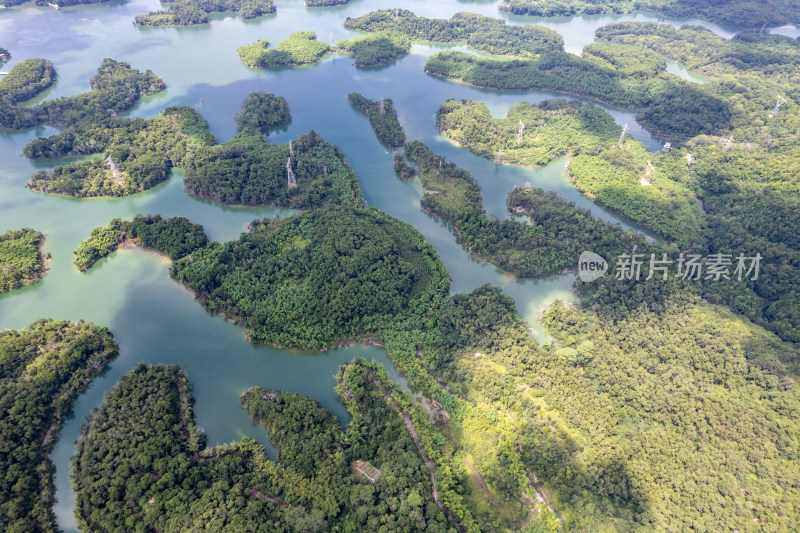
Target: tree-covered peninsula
x=670 y=107
x=42 y=370
x=194 y=12
x=740 y=13
x=21 y=258
x=314 y=279
x=482 y=33
x=299 y=48
x=621 y=175
x=115 y=88
x=376 y=49
x=371 y=475
x=174 y=237
x=382 y=117
x=26 y=80
x=550 y=243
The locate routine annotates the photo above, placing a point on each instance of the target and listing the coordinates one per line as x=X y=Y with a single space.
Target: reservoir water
x=153 y=318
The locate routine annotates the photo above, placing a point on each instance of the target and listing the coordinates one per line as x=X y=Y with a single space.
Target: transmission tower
x=520 y=130
x=291 y=150
x=383 y=106
x=289 y=174
x=667 y=147
x=622 y=137
x=499 y=156
x=778 y=104
x=331 y=38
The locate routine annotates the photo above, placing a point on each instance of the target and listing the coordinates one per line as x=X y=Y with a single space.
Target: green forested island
x=299 y=48
x=741 y=13
x=42 y=370
x=485 y=34
x=382 y=117
x=193 y=12
x=262 y=113
x=21 y=258
x=376 y=49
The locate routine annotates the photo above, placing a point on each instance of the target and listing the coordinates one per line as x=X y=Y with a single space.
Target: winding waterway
x=153 y=318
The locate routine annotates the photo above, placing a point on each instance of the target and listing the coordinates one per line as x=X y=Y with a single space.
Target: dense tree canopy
x=550 y=243
x=21 y=258
x=193 y=12
x=482 y=33
x=115 y=88
x=123 y=479
x=670 y=106
x=316 y=278
x=26 y=80
x=741 y=13
x=262 y=112
x=174 y=237
x=379 y=48
x=299 y=48
x=382 y=117
x=42 y=369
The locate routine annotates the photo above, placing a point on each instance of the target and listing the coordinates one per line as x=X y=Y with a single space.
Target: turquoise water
x=153 y=318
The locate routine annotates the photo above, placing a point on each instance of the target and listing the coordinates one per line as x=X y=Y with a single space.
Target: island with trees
x=376 y=49
x=263 y=113
x=485 y=34
x=22 y=260
x=43 y=368
x=382 y=117
x=740 y=13
x=194 y=12
x=299 y=48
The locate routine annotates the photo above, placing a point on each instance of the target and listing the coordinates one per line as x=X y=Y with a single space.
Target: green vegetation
x=42 y=370
x=26 y=80
x=262 y=112
x=379 y=48
x=325 y=3
x=174 y=237
x=299 y=48
x=550 y=243
x=314 y=486
x=21 y=258
x=138 y=153
x=193 y=12
x=617 y=176
x=402 y=168
x=741 y=13
x=316 y=278
x=250 y=170
x=382 y=117
x=5 y=55
x=670 y=106
x=115 y=88
x=485 y=34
